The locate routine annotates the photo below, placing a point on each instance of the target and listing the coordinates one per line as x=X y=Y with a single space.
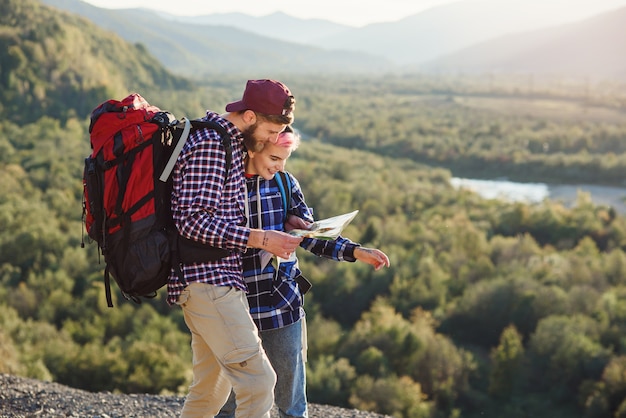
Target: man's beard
x=250 y=141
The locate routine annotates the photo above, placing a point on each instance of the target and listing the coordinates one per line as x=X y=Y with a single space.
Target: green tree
x=329 y=380
x=507 y=359
x=565 y=351
x=398 y=397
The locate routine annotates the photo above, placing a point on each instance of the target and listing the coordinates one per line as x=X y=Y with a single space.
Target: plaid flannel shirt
x=274 y=297
x=208 y=210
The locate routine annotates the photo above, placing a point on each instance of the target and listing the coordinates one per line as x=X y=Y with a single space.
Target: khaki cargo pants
x=227 y=353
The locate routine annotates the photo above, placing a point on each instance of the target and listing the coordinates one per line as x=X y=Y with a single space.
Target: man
x=208 y=206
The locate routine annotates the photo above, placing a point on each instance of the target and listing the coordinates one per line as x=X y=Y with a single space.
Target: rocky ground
x=22 y=397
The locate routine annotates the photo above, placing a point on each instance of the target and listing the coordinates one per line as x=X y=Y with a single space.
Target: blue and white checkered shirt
x=208 y=210
x=275 y=299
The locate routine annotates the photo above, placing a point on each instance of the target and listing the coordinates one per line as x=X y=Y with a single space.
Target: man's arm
x=278 y=243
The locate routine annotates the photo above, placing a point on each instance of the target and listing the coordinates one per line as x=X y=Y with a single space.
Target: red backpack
x=127 y=187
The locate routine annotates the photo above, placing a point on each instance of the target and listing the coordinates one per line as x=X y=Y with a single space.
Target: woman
x=274 y=295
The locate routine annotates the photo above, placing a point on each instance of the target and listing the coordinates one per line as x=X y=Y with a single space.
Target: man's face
x=260 y=133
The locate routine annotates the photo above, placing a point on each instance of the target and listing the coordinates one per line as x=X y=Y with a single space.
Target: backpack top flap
x=113 y=116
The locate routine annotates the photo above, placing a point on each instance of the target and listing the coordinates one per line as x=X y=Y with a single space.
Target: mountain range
x=592 y=47
x=474 y=36
x=199 y=50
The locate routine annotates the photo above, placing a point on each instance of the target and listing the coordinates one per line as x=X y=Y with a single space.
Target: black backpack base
x=144 y=256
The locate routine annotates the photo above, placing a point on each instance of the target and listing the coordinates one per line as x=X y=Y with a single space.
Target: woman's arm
x=372 y=256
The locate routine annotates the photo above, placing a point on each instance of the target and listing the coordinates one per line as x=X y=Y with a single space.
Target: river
x=537 y=192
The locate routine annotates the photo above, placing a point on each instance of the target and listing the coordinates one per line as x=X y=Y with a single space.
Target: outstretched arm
x=372 y=256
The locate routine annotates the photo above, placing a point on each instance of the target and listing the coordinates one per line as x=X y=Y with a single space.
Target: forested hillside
x=490 y=309
x=50 y=58
x=544 y=129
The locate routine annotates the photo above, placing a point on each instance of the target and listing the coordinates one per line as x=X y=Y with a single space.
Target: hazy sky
x=355 y=12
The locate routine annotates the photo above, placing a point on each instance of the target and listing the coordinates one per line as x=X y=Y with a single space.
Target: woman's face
x=267 y=162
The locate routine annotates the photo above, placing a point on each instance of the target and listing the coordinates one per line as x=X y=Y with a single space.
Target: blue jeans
x=283 y=347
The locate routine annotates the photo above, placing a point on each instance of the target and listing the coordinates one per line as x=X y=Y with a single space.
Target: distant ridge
x=199 y=49
x=463 y=36
x=277 y=25
x=593 y=47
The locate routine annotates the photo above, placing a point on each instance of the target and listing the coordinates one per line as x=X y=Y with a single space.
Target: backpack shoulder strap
x=195 y=124
x=284 y=185
x=226 y=140
x=177 y=149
